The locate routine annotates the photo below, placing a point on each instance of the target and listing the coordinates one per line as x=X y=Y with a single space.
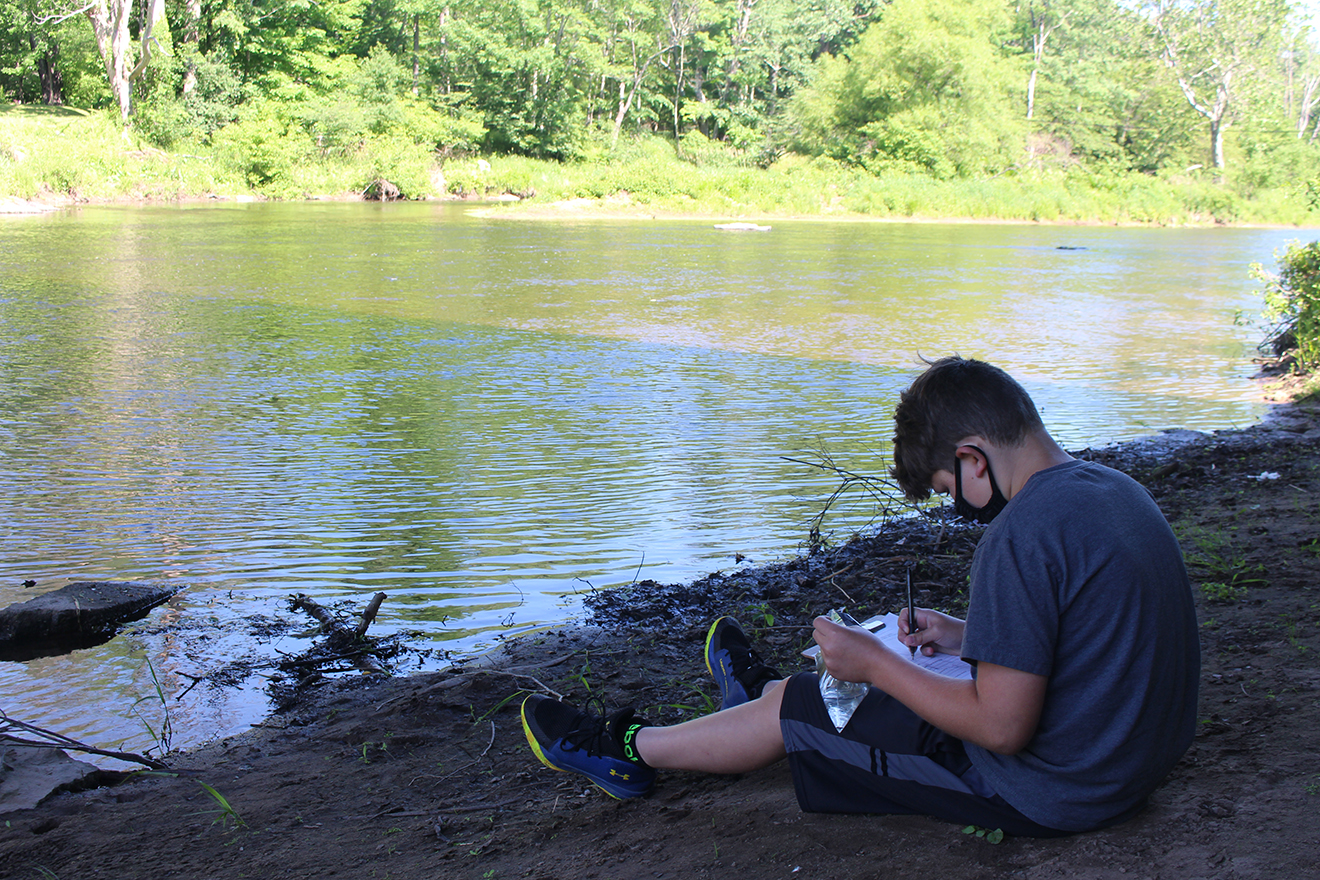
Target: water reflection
x=484 y=418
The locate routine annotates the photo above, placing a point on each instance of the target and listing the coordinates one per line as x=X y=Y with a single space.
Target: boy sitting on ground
x=1080 y=629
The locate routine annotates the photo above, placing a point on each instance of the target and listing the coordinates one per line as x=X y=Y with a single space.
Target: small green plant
x=1221 y=593
x=1313 y=787
x=498 y=706
x=704 y=704
x=227 y=817
x=1290 y=627
x=379 y=750
x=1228 y=574
x=164 y=734
x=990 y=836
x=995 y=836
x=582 y=674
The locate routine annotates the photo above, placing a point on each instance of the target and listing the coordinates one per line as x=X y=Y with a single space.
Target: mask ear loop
x=957 y=474
x=963 y=507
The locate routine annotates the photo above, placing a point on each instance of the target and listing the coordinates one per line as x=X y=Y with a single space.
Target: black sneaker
x=598 y=747
x=739 y=672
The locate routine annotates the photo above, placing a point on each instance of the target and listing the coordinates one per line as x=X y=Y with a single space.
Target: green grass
x=798 y=186
x=88 y=155
x=225 y=814
x=57 y=151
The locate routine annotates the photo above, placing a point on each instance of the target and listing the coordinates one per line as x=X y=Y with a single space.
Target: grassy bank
x=56 y=154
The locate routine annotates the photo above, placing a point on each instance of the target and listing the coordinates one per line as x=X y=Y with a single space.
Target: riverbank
x=429 y=774
x=56 y=157
x=505 y=206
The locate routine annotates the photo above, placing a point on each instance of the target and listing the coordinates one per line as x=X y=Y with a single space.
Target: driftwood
x=343 y=643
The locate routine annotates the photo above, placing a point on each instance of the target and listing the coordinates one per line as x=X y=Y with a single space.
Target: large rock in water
x=77 y=616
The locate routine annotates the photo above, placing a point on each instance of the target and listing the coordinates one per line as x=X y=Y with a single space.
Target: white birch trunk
x=109 y=20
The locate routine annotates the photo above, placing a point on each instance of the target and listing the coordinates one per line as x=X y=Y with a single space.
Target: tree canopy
x=946 y=88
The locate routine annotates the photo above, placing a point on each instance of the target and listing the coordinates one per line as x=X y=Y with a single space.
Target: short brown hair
x=954 y=398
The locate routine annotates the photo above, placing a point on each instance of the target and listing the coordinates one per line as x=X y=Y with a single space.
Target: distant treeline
x=1216 y=90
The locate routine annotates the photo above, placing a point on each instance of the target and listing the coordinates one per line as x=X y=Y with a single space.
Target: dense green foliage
x=1068 y=97
x=1292 y=297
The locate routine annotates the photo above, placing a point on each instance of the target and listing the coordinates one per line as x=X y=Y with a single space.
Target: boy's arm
x=998 y=710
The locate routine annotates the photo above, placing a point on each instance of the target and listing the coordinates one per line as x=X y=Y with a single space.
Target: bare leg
x=737 y=740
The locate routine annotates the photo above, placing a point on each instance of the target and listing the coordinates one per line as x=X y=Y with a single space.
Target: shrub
x=265 y=148
x=1292 y=301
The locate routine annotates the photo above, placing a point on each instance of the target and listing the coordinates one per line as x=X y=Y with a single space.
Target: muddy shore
x=429 y=776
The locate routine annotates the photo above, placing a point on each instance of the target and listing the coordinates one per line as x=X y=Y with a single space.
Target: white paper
x=886 y=628
x=945 y=664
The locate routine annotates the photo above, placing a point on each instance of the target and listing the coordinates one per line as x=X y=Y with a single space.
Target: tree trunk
x=1039 y=37
x=1217 y=127
x=153 y=12
x=739 y=37
x=624 y=104
x=680 y=62
x=52 y=81
x=417 y=63
x=109 y=20
x=191 y=35
x=448 y=83
x=1308 y=104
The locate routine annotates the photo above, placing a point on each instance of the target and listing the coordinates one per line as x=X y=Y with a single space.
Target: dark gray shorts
x=887 y=760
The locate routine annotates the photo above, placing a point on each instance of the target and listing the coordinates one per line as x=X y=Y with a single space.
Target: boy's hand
x=850 y=652
x=936 y=634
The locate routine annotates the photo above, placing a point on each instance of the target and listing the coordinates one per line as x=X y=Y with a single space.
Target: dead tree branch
x=49 y=739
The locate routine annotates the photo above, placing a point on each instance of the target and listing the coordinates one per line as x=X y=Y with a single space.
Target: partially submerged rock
x=28 y=776
x=76 y=616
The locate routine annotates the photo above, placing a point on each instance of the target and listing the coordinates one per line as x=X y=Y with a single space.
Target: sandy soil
x=429 y=775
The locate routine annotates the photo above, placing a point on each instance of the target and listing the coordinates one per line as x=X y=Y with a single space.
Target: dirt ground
x=429 y=775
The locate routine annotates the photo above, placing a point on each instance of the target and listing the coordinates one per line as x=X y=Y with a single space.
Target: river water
x=484 y=417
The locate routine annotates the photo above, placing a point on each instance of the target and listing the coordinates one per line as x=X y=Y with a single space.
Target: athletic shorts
x=887 y=760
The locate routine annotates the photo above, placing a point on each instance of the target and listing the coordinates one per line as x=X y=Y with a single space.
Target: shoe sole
x=617 y=792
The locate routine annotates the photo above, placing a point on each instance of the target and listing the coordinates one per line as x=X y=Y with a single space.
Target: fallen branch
x=52 y=740
x=369 y=615
x=346 y=643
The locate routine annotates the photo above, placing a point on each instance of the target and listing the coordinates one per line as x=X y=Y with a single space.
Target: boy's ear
x=972 y=458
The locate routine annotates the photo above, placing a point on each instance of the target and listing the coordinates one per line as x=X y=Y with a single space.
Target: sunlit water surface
x=483 y=418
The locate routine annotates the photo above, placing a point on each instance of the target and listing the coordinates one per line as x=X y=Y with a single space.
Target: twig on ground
x=489 y=744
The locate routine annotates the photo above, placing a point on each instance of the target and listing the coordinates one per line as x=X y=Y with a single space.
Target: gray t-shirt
x=1080 y=579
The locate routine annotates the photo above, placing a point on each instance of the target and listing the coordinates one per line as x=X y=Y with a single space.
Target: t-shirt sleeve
x=1013 y=612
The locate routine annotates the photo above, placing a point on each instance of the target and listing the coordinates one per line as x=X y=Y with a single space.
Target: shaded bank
x=429 y=775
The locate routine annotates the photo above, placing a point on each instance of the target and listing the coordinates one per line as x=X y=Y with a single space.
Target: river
x=484 y=417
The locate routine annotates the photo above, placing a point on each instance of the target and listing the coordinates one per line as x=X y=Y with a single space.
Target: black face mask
x=967 y=511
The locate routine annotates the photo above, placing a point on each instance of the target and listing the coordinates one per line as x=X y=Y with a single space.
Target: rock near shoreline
x=75 y=616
